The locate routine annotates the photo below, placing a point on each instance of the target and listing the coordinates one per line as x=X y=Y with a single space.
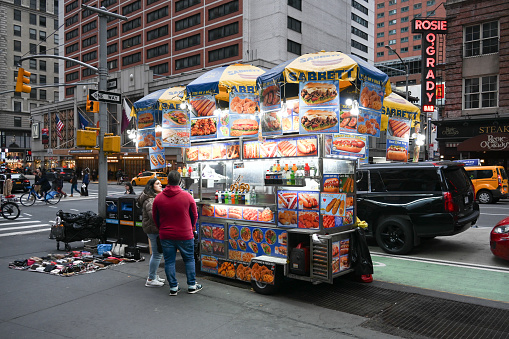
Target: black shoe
x=194 y=289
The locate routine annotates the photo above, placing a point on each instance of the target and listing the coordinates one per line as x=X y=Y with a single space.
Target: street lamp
x=404 y=64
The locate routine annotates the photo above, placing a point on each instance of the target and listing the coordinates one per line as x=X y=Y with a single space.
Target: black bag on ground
x=132 y=252
x=57 y=232
x=359 y=255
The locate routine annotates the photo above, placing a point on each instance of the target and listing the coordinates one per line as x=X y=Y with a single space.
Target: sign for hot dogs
x=349 y=145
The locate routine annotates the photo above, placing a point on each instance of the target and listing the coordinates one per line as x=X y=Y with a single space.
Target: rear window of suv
x=503 y=173
x=416 y=180
x=457 y=179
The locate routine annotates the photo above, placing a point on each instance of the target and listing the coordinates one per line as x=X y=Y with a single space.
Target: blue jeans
x=186 y=248
x=156 y=257
x=74 y=187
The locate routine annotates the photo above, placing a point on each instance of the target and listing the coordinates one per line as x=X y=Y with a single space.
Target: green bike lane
x=458 y=278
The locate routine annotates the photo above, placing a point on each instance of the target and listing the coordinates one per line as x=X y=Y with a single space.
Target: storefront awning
x=486 y=142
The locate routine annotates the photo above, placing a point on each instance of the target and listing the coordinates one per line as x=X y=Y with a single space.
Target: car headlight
x=501 y=229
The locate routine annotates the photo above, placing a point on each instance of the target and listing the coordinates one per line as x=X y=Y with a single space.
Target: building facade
x=27 y=27
x=475 y=122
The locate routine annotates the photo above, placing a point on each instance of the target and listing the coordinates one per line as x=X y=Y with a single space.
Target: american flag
x=60 y=127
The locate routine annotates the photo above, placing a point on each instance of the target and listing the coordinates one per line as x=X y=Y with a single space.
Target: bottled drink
x=180 y=170
x=217 y=197
x=223 y=197
x=307 y=172
x=253 y=196
x=242 y=198
x=227 y=197
x=190 y=170
x=248 y=198
x=184 y=172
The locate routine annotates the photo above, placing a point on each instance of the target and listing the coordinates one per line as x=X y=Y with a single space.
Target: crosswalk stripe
x=17 y=222
x=21 y=227
x=24 y=232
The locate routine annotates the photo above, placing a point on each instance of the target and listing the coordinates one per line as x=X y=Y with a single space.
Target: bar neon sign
x=429 y=28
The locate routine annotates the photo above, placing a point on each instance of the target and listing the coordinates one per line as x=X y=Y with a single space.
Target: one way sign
x=103 y=96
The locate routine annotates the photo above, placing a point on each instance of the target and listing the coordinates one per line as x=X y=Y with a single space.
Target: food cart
x=296 y=228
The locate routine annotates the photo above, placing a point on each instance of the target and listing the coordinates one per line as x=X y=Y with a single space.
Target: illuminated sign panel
x=429 y=28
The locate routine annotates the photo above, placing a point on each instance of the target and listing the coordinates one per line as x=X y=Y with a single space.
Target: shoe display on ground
x=194 y=289
x=174 y=292
x=154 y=283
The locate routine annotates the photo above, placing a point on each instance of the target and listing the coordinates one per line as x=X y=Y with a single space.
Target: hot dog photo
x=399 y=128
x=397 y=153
x=330 y=184
x=318 y=93
x=349 y=144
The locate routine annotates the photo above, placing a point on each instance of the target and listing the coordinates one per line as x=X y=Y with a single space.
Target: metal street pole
x=103 y=113
x=404 y=64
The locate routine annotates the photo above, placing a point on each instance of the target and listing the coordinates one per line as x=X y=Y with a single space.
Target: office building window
x=393 y=22
x=55 y=39
x=404 y=19
x=405 y=39
x=392 y=12
x=55 y=69
x=392 y=2
x=17 y=15
x=89 y=41
x=55 y=24
x=135 y=40
x=112 y=32
x=160 y=69
x=187 y=22
x=404 y=9
x=71 y=6
x=33 y=4
x=32 y=64
x=32 y=33
x=33 y=19
x=295 y=4
x=224 y=53
x=88 y=27
x=380 y=25
x=108 y=3
x=222 y=10
x=42 y=79
x=359 y=20
x=42 y=65
x=294 y=25
x=42 y=21
x=392 y=42
x=32 y=48
x=417 y=37
x=293 y=47
x=359 y=7
x=33 y=78
x=157 y=14
x=157 y=51
x=87 y=72
x=184 y=43
x=380 y=5
x=380 y=34
x=42 y=5
x=132 y=24
x=113 y=48
x=42 y=49
x=70 y=90
x=131 y=59
x=404 y=50
x=157 y=33
x=71 y=20
x=380 y=15
x=112 y=64
x=359 y=33
x=430 y=2
x=380 y=54
x=16 y=60
x=359 y=46
x=404 y=29
x=480 y=92
x=72 y=48
x=417 y=47
x=72 y=76
x=481 y=39
x=42 y=94
x=42 y=35
x=17 y=46
x=187 y=62
x=17 y=121
x=16 y=106
x=380 y=44
x=181 y=5
x=17 y=30
x=392 y=32
x=417 y=15
x=132 y=7
x=89 y=56
x=417 y=6
x=223 y=31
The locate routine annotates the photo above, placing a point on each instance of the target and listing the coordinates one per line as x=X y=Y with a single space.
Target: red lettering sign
x=429 y=25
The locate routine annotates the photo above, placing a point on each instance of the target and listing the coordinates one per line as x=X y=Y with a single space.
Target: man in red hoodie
x=175 y=215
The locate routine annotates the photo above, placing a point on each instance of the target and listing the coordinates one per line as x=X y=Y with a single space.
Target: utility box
x=86 y=138
x=112 y=144
x=112 y=225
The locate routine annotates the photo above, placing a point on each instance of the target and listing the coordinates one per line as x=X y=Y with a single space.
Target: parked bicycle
x=9 y=208
x=29 y=198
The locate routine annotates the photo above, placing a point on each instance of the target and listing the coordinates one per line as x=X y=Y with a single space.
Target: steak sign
x=429 y=28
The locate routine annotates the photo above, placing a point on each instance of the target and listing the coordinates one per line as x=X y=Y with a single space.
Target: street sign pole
x=102 y=116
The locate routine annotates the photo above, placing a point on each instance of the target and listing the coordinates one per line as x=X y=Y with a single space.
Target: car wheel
x=395 y=235
x=133 y=183
x=485 y=197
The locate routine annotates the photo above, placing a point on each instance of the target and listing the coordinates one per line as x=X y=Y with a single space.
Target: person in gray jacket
x=145 y=200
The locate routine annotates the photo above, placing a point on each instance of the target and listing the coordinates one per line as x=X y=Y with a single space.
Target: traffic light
x=23 y=81
x=92 y=106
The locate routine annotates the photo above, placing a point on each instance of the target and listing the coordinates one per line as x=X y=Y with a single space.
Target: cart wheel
x=67 y=247
x=58 y=245
x=264 y=288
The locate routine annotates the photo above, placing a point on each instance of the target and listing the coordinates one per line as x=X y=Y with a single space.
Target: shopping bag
x=132 y=252
x=359 y=256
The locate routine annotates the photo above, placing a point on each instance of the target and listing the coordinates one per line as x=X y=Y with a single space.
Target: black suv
x=405 y=202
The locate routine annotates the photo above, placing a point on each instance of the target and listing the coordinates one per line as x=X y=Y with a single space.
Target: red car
x=499 y=239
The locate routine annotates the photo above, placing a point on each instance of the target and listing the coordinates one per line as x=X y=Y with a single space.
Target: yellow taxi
x=144 y=177
x=490 y=183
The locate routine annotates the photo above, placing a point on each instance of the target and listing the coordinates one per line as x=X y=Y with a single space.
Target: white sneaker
x=158 y=278
x=154 y=283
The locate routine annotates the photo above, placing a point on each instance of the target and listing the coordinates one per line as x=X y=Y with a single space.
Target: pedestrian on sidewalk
x=60 y=185
x=74 y=183
x=7 y=185
x=175 y=215
x=129 y=188
x=146 y=200
x=85 y=182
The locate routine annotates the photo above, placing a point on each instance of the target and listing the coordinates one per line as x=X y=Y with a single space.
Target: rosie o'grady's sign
x=495 y=143
x=429 y=28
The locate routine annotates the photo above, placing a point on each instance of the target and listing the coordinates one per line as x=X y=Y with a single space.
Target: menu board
x=203 y=105
x=398 y=133
x=276 y=148
x=246 y=271
x=372 y=95
x=290 y=120
x=340 y=252
x=216 y=151
x=347 y=145
x=318 y=107
x=241 y=212
x=369 y=122
x=247 y=242
x=270 y=96
x=175 y=125
x=157 y=158
x=298 y=209
x=203 y=128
